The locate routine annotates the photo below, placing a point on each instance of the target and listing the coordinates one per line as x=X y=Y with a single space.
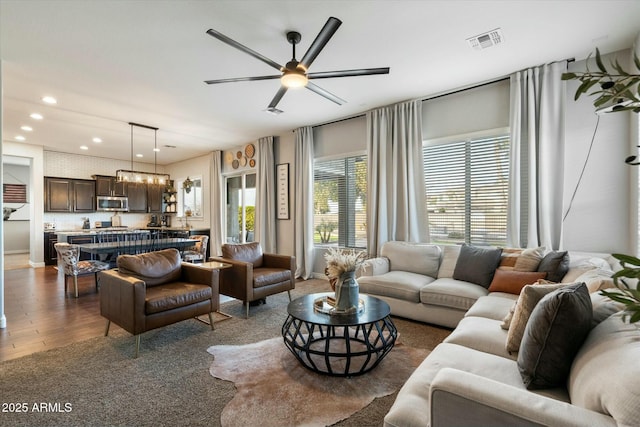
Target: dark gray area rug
x=97 y=382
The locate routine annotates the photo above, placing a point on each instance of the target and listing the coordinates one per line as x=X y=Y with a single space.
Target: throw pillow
x=509 y=258
x=477 y=265
x=529 y=259
x=597 y=279
x=556 y=265
x=529 y=297
x=512 y=282
x=555 y=332
x=449 y=259
x=506 y=322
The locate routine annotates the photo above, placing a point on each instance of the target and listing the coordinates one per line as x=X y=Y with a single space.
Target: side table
x=339 y=345
x=213 y=265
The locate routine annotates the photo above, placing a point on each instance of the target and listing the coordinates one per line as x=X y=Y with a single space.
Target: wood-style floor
x=40 y=316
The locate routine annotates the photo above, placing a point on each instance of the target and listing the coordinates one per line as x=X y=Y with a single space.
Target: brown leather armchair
x=254 y=275
x=155 y=289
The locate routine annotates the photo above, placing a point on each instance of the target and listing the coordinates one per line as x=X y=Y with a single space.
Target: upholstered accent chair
x=69 y=263
x=155 y=289
x=199 y=251
x=254 y=275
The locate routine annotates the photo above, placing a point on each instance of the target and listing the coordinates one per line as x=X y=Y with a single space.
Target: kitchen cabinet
x=69 y=195
x=137 y=194
x=155 y=197
x=50 y=254
x=109 y=186
x=79 y=240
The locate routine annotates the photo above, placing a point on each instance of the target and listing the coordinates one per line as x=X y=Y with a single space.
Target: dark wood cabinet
x=79 y=240
x=84 y=196
x=155 y=197
x=69 y=195
x=50 y=254
x=109 y=186
x=137 y=194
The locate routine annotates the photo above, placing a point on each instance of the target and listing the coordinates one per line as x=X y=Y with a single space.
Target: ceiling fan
x=294 y=74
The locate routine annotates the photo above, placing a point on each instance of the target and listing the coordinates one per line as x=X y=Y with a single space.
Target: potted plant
x=615 y=87
x=625 y=293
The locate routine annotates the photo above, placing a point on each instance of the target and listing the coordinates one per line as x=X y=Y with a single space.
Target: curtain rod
x=462 y=89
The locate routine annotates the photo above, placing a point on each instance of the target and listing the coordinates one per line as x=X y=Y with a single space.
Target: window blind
x=467 y=188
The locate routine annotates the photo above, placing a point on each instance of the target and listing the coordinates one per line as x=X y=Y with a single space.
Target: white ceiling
x=113 y=62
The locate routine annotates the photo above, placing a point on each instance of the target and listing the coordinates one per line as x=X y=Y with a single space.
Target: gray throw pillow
x=555 y=264
x=477 y=265
x=558 y=326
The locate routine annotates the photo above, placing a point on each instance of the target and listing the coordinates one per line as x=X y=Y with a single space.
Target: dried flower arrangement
x=340 y=261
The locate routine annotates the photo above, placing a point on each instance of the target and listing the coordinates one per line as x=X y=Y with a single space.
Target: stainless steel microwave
x=112 y=203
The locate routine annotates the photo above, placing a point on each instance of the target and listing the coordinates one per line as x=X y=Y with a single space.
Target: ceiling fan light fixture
x=293 y=79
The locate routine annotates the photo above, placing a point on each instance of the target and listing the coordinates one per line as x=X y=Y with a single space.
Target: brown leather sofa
x=155 y=289
x=254 y=275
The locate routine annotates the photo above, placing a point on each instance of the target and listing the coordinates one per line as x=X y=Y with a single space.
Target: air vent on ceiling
x=485 y=40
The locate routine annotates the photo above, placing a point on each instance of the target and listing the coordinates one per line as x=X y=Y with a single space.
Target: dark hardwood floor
x=40 y=316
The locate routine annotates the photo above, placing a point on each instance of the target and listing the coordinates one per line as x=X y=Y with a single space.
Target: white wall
x=600 y=217
x=196 y=167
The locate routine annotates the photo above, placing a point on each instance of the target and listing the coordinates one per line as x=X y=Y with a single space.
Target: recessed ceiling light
x=139 y=155
x=36 y=116
x=49 y=100
x=97 y=140
x=20 y=138
x=26 y=128
x=84 y=147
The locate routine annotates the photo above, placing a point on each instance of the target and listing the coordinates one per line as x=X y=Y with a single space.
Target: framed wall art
x=282 y=184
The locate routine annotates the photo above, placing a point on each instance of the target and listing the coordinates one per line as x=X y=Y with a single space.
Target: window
x=190 y=202
x=340 y=202
x=466 y=181
x=240 y=208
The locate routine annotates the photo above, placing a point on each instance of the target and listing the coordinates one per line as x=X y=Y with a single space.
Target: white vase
x=347 y=293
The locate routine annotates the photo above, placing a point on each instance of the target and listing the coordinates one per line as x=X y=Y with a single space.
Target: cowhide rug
x=274 y=389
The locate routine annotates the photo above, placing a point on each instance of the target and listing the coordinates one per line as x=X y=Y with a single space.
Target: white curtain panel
x=265 y=214
x=303 y=201
x=537 y=157
x=396 y=208
x=215 y=239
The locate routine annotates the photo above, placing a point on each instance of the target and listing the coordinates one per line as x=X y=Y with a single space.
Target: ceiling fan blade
x=278 y=97
x=323 y=37
x=239 y=46
x=322 y=92
x=348 y=73
x=242 y=79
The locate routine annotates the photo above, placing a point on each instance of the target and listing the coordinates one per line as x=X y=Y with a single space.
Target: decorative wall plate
x=235 y=164
x=243 y=161
x=250 y=150
x=228 y=157
x=252 y=163
x=239 y=154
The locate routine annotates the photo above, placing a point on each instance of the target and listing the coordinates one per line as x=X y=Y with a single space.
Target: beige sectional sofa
x=471 y=379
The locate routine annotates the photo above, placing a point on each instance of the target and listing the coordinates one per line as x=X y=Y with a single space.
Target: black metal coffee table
x=339 y=345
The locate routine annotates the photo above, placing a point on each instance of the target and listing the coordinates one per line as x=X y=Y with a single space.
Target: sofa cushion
x=270 y=276
x=512 y=282
x=246 y=252
x=477 y=265
x=529 y=297
x=395 y=284
x=174 y=295
x=555 y=264
x=154 y=268
x=416 y=258
x=451 y=293
x=556 y=329
x=481 y=334
x=450 y=255
x=493 y=306
x=596 y=279
x=605 y=376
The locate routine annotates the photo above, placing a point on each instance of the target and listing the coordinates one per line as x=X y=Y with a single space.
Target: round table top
x=303 y=309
